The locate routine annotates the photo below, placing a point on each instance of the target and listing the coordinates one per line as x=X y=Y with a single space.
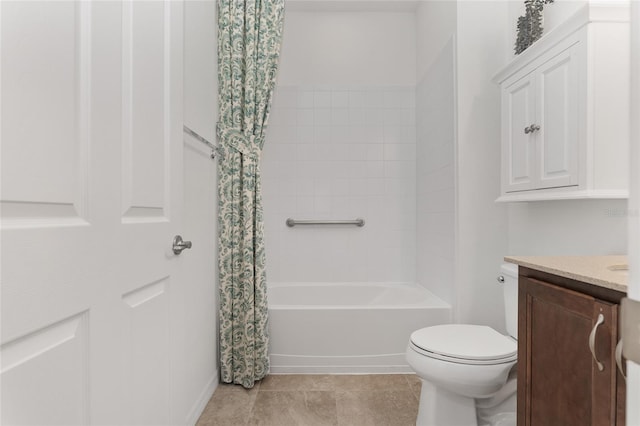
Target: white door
x=91 y=120
x=518 y=156
x=557 y=119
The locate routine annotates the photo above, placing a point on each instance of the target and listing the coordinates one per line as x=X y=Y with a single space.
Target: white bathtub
x=347 y=327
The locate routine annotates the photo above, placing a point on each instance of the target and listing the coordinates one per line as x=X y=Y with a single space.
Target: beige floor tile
x=371 y=382
x=299 y=382
x=294 y=408
x=373 y=408
x=230 y=405
x=415 y=384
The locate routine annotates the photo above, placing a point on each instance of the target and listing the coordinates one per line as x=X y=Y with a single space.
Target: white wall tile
x=305 y=152
x=356 y=116
x=373 y=99
x=373 y=116
x=322 y=99
x=392 y=116
x=305 y=99
x=287 y=97
x=339 y=99
x=340 y=116
x=322 y=116
x=305 y=117
x=322 y=134
x=289 y=116
x=375 y=152
x=400 y=169
x=399 y=152
x=356 y=99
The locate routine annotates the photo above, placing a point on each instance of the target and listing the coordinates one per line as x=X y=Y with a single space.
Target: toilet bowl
x=465 y=369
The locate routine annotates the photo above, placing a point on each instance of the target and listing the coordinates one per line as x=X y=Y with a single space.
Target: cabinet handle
x=619 y=358
x=592 y=341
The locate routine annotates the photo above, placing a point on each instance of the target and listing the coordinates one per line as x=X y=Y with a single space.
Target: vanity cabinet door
x=559 y=381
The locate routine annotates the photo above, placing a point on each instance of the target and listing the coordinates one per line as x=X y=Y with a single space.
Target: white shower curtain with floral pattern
x=249 y=39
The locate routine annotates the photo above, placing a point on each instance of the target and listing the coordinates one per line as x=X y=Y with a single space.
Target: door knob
x=179 y=244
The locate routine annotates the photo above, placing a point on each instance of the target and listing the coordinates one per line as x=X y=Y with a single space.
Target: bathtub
x=347 y=327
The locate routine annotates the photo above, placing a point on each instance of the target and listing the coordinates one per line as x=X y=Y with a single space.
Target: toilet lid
x=471 y=342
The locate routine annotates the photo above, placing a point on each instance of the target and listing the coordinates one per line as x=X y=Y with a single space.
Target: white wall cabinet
x=565 y=110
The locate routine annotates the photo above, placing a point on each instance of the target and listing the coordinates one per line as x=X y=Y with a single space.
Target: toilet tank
x=509 y=272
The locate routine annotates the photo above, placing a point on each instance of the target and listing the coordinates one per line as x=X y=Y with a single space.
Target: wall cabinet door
x=559 y=381
x=518 y=149
x=557 y=118
x=540 y=126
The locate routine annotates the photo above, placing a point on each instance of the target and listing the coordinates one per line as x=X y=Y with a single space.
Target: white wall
x=341 y=145
x=573 y=227
x=200 y=67
x=436 y=23
x=435 y=147
x=481 y=234
x=324 y=47
x=200 y=206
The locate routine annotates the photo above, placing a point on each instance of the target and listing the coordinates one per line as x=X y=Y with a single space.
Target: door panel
x=147 y=337
x=518 y=154
x=44 y=120
x=146 y=63
x=45 y=375
x=558 y=120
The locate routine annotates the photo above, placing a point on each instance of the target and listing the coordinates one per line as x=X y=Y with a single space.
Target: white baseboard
x=201 y=402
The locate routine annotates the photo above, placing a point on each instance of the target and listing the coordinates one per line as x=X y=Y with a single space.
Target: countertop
x=596 y=270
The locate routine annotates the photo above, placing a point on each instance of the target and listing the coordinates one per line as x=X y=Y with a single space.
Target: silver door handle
x=592 y=341
x=179 y=244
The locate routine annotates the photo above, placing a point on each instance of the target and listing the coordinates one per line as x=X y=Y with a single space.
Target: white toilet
x=467 y=371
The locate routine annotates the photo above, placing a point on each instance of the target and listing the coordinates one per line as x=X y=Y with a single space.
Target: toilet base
x=439 y=407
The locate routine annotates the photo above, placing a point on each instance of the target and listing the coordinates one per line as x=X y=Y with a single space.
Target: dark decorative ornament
x=530 y=25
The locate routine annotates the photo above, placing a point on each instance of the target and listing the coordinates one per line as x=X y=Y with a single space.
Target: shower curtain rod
x=214 y=148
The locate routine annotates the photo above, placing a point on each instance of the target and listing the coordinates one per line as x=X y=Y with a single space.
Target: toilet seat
x=464 y=344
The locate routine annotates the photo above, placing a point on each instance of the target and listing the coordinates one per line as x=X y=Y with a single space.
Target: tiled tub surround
x=341 y=153
x=317 y=400
x=435 y=163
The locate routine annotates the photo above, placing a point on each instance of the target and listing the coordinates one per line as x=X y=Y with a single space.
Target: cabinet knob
x=531 y=129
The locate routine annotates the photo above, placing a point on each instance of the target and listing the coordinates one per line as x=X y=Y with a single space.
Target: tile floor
x=317 y=400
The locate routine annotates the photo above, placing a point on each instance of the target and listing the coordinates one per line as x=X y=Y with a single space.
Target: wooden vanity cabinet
x=559 y=382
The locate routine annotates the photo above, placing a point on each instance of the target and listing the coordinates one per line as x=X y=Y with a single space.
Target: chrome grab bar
x=292 y=222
